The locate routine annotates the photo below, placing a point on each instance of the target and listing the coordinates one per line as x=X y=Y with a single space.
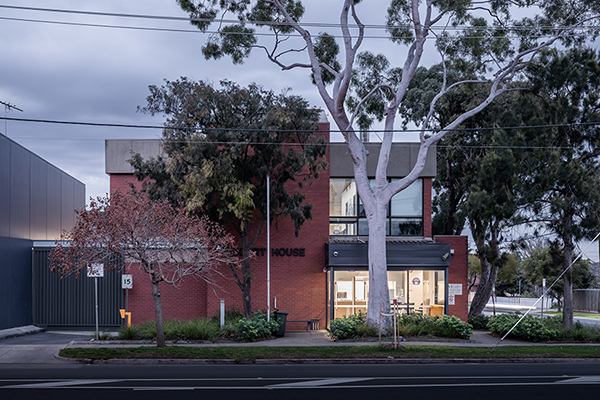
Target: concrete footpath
x=32 y=345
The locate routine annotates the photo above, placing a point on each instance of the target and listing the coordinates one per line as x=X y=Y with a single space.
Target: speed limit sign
x=127 y=281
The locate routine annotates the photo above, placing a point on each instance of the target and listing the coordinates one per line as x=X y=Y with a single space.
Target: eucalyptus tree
x=221 y=144
x=481 y=169
x=565 y=186
x=479 y=36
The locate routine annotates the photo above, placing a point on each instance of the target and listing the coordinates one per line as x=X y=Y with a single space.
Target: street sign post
x=126 y=283
x=96 y=270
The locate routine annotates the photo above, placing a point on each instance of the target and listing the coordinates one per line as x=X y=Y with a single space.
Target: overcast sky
x=96 y=74
x=70 y=72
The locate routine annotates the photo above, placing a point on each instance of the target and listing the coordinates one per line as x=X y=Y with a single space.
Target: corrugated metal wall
x=70 y=301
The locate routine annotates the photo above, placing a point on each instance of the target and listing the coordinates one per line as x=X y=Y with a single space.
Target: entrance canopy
x=398 y=254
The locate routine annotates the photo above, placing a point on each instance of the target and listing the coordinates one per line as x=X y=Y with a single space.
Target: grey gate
x=69 y=301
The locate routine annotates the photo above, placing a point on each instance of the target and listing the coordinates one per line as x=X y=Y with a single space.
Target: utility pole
x=8 y=107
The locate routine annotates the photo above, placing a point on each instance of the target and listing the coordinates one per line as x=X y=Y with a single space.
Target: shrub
x=530 y=328
x=129 y=332
x=479 y=321
x=364 y=330
x=452 y=327
x=344 y=328
x=354 y=326
x=423 y=325
x=578 y=333
x=256 y=328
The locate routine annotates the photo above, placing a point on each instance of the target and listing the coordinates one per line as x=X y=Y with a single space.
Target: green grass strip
x=331 y=352
x=595 y=316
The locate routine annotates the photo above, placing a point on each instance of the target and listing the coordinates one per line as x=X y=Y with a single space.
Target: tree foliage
x=489 y=50
x=547 y=263
x=220 y=146
x=564 y=185
x=161 y=241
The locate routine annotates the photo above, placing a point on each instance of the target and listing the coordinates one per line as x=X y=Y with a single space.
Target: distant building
x=37 y=201
x=322 y=274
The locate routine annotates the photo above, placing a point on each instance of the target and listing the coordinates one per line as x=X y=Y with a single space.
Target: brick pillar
x=458 y=273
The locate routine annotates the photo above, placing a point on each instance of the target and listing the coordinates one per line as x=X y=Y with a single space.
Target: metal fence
x=68 y=301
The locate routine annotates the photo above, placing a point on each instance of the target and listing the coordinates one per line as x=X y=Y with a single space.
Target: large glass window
x=343 y=201
x=347 y=217
x=409 y=202
x=411 y=291
x=342 y=198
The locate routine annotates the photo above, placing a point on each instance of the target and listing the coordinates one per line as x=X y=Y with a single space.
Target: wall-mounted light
x=335 y=253
x=445 y=256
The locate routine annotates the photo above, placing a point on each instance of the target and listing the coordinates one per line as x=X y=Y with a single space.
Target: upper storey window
x=347 y=216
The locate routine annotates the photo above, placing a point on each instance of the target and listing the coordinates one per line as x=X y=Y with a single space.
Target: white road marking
x=46 y=385
x=582 y=380
x=319 y=382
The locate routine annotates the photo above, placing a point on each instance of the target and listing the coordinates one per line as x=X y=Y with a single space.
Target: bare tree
x=163 y=242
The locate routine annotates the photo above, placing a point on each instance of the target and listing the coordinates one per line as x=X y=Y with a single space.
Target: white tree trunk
x=379 y=297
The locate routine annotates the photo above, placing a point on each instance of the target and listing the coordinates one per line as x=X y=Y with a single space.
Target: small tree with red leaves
x=163 y=241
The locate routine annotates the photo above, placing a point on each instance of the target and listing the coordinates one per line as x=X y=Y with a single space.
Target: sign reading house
x=281 y=252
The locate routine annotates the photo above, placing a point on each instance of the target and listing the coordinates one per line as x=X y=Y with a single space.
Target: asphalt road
x=437 y=381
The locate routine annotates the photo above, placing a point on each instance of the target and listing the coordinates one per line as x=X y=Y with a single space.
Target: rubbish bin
x=281 y=317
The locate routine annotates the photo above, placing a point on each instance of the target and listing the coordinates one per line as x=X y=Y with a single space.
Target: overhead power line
x=196 y=31
x=235 y=21
x=137 y=126
x=255 y=22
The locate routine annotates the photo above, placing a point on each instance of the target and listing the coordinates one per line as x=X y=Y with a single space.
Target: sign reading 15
x=127 y=281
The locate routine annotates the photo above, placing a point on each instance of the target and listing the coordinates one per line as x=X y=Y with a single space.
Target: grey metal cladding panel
x=15 y=285
x=117 y=152
x=5 y=298
x=4 y=186
x=54 y=201
x=398 y=254
x=19 y=191
x=403 y=157
x=39 y=197
x=79 y=195
x=68 y=204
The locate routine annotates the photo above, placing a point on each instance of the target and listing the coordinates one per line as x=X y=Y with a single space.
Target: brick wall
x=458 y=273
x=183 y=302
x=122 y=182
x=298 y=282
x=427 y=207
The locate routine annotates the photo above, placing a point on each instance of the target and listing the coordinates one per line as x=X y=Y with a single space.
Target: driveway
x=39 y=348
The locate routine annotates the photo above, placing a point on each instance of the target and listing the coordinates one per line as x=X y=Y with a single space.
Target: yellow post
x=126 y=314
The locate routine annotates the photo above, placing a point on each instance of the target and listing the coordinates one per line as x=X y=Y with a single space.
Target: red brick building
x=322 y=272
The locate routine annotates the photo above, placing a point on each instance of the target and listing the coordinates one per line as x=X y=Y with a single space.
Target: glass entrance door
x=418 y=291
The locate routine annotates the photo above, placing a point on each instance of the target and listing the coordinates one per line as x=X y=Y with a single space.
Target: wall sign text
x=281 y=252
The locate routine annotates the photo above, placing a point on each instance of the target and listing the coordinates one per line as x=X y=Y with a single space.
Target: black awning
x=398 y=254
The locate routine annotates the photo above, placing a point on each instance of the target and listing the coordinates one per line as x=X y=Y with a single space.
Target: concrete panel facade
x=403 y=157
x=117 y=152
